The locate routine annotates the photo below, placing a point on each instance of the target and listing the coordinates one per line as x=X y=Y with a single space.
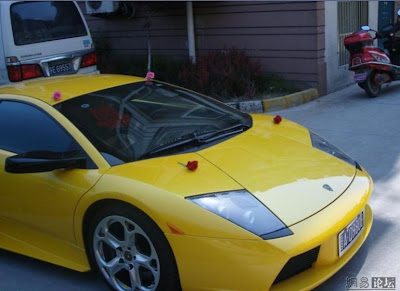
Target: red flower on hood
x=277 y=119
x=192 y=165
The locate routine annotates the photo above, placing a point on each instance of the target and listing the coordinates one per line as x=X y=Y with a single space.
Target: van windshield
x=34 y=22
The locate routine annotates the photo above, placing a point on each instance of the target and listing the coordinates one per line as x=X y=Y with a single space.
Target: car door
x=43 y=202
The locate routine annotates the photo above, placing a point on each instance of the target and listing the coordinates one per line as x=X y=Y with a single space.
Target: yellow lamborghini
x=159 y=188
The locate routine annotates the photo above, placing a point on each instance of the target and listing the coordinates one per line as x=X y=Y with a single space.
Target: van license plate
x=349 y=235
x=59 y=69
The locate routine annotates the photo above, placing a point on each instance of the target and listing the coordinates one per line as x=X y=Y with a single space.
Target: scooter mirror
x=366 y=28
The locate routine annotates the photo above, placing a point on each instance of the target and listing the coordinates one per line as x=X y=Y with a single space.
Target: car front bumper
x=222 y=264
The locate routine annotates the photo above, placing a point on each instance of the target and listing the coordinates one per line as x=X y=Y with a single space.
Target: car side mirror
x=366 y=28
x=37 y=163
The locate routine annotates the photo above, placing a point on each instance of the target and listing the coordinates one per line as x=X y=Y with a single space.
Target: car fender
x=163 y=207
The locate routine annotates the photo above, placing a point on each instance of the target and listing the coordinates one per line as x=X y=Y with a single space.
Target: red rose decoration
x=150 y=75
x=277 y=119
x=108 y=117
x=192 y=165
x=125 y=120
x=57 y=96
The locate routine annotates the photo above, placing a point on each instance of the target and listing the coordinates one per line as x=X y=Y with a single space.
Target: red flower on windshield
x=125 y=120
x=108 y=117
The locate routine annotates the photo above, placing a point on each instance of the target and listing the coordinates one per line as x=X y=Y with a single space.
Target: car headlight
x=243 y=209
x=321 y=144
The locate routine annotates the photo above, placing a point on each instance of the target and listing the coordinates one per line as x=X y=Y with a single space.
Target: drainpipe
x=190 y=29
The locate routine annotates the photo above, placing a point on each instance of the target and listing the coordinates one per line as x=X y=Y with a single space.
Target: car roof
x=69 y=86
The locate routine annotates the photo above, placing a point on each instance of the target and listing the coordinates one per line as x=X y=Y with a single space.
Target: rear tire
x=371 y=88
x=130 y=251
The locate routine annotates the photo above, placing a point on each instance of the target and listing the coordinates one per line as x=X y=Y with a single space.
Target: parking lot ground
x=367 y=129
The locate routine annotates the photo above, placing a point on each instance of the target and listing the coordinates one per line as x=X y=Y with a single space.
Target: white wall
x=340 y=77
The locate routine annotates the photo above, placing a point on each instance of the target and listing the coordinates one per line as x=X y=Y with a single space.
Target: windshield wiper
x=217 y=134
x=197 y=138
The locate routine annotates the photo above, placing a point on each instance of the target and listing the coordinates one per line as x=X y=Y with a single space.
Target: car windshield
x=146 y=119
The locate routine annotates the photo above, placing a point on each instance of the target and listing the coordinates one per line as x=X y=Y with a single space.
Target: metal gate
x=351 y=16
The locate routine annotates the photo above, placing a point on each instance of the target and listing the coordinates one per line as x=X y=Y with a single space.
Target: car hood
x=278 y=165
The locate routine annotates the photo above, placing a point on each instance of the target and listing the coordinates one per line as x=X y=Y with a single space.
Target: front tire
x=129 y=250
x=371 y=88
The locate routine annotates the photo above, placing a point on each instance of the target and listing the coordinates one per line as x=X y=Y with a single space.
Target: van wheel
x=371 y=88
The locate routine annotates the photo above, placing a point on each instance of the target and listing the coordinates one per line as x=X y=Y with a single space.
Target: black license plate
x=60 y=68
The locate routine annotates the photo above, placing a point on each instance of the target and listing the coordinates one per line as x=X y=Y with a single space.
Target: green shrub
x=165 y=69
x=274 y=85
x=227 y=75
x=224 y=74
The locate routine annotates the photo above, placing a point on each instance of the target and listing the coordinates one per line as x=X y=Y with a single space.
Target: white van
x=43 y=39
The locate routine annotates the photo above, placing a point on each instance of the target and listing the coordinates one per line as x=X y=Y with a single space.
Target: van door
x=46 y=38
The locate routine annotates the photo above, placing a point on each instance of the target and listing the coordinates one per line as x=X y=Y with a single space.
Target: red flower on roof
x=150 y=76
x=57 y=96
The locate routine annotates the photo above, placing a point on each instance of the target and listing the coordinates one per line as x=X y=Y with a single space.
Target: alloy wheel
x=125 y=255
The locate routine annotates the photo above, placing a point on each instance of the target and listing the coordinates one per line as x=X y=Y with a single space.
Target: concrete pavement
x=367 y=129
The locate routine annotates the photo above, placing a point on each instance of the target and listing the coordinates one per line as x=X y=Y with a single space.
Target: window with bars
x=351 y=16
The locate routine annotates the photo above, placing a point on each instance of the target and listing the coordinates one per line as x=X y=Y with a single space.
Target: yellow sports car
x=159 y=188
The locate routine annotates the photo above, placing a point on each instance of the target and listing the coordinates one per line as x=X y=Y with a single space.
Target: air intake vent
x=298 y=264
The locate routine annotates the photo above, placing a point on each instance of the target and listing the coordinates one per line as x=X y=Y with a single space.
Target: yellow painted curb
x=290 y=100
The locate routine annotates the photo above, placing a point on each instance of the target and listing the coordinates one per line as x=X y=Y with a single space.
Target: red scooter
x=373 y=66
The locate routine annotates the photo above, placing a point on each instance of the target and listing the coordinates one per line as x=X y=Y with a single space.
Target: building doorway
x=386 y=16
x=351 y=16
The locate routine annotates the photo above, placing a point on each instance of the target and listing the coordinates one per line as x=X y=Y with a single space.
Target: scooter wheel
x=371 y=88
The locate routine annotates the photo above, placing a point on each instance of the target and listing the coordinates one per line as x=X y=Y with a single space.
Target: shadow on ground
x=359 y=94
x=25 y=273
